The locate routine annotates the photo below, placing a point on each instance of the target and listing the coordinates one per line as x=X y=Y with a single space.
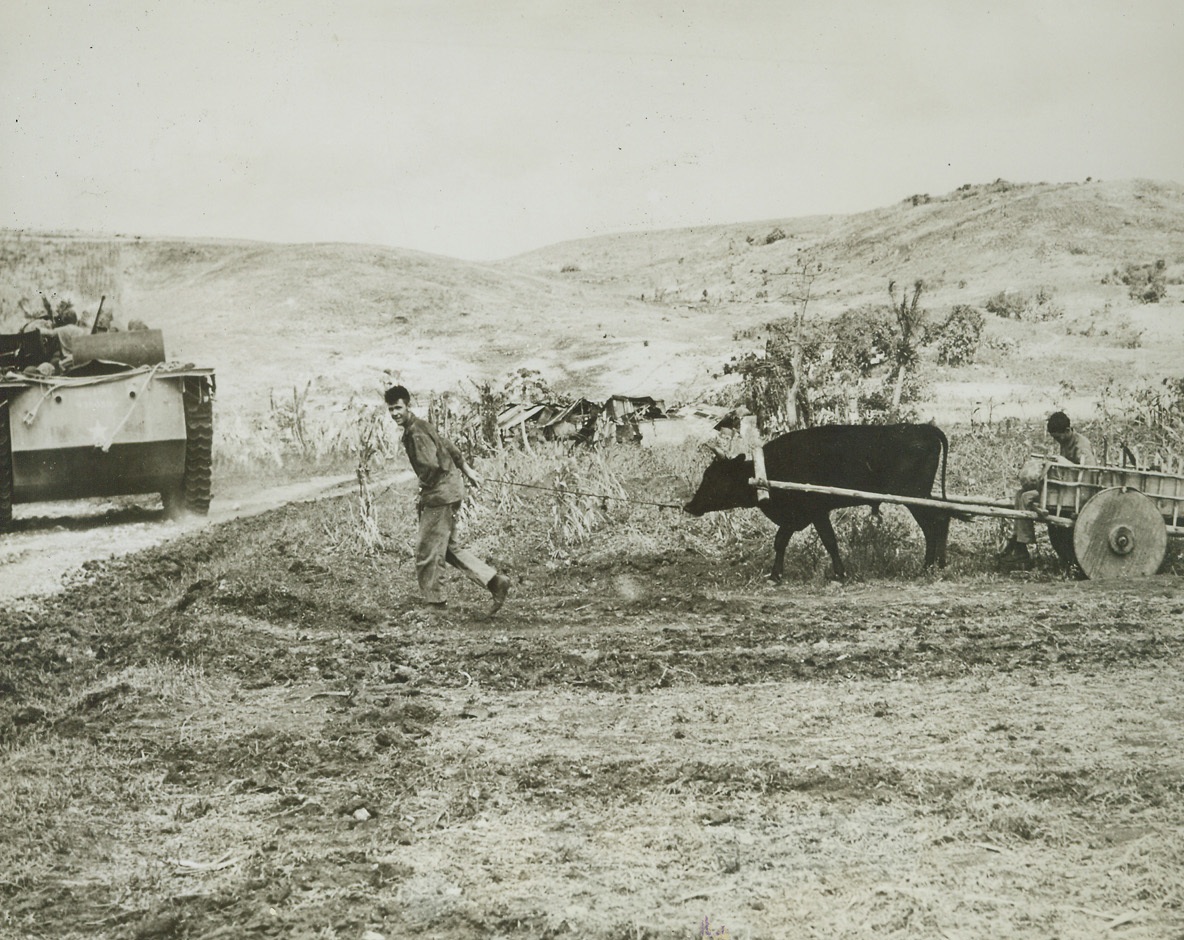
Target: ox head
x=724 y=484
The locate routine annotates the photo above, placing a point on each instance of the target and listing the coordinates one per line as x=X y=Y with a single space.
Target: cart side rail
x=1068 y=487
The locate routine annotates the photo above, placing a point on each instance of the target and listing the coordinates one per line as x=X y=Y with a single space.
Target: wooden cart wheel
x=1119 y=534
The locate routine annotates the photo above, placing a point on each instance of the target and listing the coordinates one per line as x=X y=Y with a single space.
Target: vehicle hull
x=144 y=431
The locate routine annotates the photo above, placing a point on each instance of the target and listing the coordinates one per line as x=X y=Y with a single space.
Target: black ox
x=897 y=460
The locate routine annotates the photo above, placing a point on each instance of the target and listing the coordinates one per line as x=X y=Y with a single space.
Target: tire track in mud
x=49 y=542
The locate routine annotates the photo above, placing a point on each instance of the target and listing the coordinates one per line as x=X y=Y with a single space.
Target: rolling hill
x=654 y=312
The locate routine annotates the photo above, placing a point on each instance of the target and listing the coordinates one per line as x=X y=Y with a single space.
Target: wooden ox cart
x=1113 y=522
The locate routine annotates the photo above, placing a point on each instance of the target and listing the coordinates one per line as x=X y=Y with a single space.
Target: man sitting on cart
x=1075 y=448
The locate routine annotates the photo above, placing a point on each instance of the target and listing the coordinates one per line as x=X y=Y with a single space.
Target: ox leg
x=780 y=544
x=826 y=532
x=936 y=526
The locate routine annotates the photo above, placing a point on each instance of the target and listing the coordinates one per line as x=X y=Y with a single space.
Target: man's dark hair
x=1058 y=423
x=397 y=393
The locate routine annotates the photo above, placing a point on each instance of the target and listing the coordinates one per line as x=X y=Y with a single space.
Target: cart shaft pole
x=969 y=508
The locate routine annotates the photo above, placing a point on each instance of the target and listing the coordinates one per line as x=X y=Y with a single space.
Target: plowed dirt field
x=253 y=730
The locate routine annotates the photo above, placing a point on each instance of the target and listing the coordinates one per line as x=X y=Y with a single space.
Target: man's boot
x=1019 y=559
x=1010 y=550
x=499 y=587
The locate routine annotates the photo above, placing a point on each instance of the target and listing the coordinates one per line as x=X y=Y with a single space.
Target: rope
x=553 y=489
x=31 y=414
x=104 y=447
x=54 y=383
x=567 y=492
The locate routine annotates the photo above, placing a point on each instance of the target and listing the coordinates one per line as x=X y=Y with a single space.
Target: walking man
x=442 y=472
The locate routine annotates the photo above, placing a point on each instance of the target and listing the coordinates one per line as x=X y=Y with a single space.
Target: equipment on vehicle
x=118 y=420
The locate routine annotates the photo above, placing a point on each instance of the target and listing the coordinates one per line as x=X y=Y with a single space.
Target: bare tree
x=776 y=385
x=909 y=317
x=797 y=401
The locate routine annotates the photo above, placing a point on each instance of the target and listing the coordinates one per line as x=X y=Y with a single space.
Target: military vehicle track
x=193 y=492
x=5 y=470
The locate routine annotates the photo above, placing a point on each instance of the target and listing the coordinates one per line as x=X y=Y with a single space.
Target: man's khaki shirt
x=436 y=461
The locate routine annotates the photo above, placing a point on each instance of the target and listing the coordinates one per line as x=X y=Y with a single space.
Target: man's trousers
x=437 y=545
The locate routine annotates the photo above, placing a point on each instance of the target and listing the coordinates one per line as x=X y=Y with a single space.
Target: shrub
x=1160 y=410
x=958 y=338
x=1001 y=344
x=862 y=338
x=1008 y=304
x=1125 y=335
x=1044 y=307
x=768 y=376
x=883 y=544
x=1146 y=283
x=1015 y=305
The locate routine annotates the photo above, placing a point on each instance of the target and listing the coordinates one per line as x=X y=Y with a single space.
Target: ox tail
x=945 y=450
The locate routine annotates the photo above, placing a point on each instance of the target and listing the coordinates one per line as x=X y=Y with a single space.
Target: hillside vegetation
x=968 y=244
x=654 y=313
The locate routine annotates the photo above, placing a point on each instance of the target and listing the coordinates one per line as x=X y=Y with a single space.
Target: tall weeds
x=297 y=437
x=558 y=505
x=369 y=428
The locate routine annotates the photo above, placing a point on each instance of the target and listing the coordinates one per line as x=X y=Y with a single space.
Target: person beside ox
x=1075 y=448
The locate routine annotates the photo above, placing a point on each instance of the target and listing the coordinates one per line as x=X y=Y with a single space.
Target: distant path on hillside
x=51 y=541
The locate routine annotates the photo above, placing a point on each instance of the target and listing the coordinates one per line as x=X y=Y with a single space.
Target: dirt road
x=50 y=541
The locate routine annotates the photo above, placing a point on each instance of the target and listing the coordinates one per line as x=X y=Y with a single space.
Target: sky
x=480 y=129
